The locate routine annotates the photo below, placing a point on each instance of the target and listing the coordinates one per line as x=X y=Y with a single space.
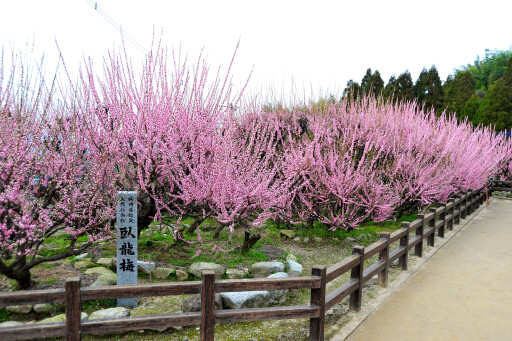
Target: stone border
x=366 y=310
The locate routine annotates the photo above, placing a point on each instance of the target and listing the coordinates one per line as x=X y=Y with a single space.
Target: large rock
x=47 y=308
x=288 y=234
x=198 y=267
x=106 y=279
x=98 y=270
x=278 y=296
x=163 y=273
x=181 y=275
x=83 y=264
x=7 y=324
x=245 y=299
x=110 y=313
x=146 y=267
x=235 y=273
x=193 y=303
x=108 y=262
x=82 y=256
x=294 y=268
x=19 y=309
x=264 y=269
x=61 y=318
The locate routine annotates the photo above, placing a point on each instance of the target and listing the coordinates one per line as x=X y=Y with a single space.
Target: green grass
x=4 y=315
x=90 y=306
x=51 y=280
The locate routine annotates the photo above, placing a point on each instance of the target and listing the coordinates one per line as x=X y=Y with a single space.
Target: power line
x=117 y=26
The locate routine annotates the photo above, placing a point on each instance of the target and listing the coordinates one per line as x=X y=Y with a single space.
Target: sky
x=293 y=48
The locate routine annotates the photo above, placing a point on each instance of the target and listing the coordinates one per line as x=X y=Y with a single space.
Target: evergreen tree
x=405 y=91
x=429 y=89
x=458 y=90
x=372 y=83
x=471 y=109
x=366 y=79
x=391 y=89
x=352 y=90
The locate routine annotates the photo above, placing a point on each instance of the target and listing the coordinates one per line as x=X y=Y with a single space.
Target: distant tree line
x=480 y=92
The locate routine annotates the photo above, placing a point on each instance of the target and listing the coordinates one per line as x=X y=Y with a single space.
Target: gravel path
x=463 y=293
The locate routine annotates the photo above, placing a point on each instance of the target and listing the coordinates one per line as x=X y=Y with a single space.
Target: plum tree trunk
x=195 y=225
x=20 y=273
x=249 y=240
x=217 y=231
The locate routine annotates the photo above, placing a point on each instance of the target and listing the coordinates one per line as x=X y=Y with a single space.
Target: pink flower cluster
x=172 y=136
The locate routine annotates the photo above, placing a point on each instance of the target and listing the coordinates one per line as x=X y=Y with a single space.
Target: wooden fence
x=409 y=235
x=498 y=185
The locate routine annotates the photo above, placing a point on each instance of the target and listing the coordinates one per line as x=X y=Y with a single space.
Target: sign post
x=126 y=243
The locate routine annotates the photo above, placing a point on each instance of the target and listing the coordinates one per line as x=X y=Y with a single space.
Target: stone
x=61 y=318
x=264 y=269
x=291 y=257
x=146 y=267
x=127 y=243
x=288 y=234
x=196 y=269
x=278 y=296
x=193 y=303
x=65 y=262
x=81 y=256
x=106 y=279
x=83 y=264
x=110 y=313
x=98 y=270
x=19 y=309
x=296 y=239
x=235 y=273
x=108 y=262
x=11 y=324
x=350 y=239
x=163 y=273
x=245 y=299
x=305 y=240
x=181 y=275
x=46 y=308
x=318 y=239
x=361 y=237
x=294 y=269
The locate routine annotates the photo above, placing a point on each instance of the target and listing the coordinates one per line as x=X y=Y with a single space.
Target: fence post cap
x=385 y=234
x=73 y=279
x=358 y=249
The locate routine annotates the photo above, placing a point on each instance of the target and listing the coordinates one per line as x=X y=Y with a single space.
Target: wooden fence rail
x=411 y=234
x=498 y=185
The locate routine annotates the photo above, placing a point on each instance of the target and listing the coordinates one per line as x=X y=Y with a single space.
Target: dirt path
x=463 y=293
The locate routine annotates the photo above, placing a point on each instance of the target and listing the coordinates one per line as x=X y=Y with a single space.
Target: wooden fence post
x=207 y=305
x=442 y=217
x=471 y=203
x=418 y=249
x=451 y=211
x=404 y=241
x=316 y=325
x=384 y=255
x=462 y=203
x=73 y=313
x=456 y=204
x=432 y=223
x=357 y=274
